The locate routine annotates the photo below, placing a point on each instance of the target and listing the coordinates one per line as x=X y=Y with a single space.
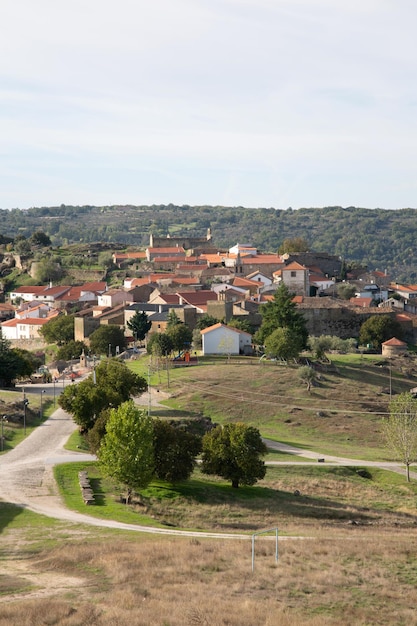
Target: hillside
x=381 y=239
x=341 y=416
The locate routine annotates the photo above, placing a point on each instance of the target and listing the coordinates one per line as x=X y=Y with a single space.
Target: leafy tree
x=58 y=330
x=379 y=328
x=181 y=336
x=294 y=244
x=324 y=343
x=107 y=337
x=71 y=350
x=242 y=323
x=114 y=384
x=400 y=429
x=39 y=238
x=126 y=452
x=283 y=343
x=47 y=270
x=320 y=345
x=206 y=321
x=233 y=452
x=95 y=435
x=345 y=291
x=22 y=245
x=14 y=363
x=172 y=320
x=159 y=344
x=197 y=339
x=27 y=362
x=307 y=375
x=139 y=324
x=281 y=312
x=105 y=259
x=175 y=450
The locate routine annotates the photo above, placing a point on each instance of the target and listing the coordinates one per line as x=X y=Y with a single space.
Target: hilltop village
x=191 y=276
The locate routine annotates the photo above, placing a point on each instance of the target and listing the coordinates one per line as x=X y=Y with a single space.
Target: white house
x=222 y=339
x=23 y=328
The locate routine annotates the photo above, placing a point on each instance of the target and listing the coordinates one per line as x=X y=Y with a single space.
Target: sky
x=254 y=103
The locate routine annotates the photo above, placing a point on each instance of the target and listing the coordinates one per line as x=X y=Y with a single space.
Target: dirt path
x=27 y=475
x=27 y=478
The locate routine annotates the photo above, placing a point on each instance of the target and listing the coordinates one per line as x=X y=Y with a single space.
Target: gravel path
x=26 y=475
x=26 y=478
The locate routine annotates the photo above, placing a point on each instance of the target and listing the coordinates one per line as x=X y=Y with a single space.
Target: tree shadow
x=8 y=512
x=98 y=491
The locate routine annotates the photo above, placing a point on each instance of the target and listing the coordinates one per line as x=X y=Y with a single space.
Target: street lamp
x=3 y=419
x=40 y=412
x=109 y=350
x=25 y=403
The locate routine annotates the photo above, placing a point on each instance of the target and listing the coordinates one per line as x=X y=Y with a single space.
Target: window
x=293 y=274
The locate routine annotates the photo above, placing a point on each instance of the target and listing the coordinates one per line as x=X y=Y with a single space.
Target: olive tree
x=400 y=429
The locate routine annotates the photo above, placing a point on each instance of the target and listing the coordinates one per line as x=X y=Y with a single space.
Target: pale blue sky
x=259 y=103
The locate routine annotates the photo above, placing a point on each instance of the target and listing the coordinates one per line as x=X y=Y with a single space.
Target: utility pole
x=149 y=391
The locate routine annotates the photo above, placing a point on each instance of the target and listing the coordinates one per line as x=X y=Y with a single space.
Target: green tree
x=140 y=325
x=379 y=328
x=281 y=312
x=233 y=452
x=22 y=245
x=27 y=362
x=345 y=291
x=307 y=375
x=58 y=330
x=172 y=320
x=320 y=345
x=106 y=338
x=181 y=336
x=175 y=450
x=126 y=452
x=206 y=321
x=294 y=244
x=400 y=430
x=159 y=344
x=47 y=270
x=39 y=238
x=14 y=363
x=241 y=323
x=71 y=350
x=112 y=384
x=283 y=343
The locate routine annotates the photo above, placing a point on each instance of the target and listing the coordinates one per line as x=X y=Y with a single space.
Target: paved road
x=26 y=476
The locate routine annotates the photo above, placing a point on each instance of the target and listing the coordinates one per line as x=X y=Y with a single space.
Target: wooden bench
x=86 y=491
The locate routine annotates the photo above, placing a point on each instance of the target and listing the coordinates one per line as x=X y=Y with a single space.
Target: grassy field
x=341 y=416
x=347 y=537
x=300 y=500
x=69 y=575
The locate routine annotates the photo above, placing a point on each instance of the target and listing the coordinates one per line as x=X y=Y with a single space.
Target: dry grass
x=359 y=579
x=341 y=415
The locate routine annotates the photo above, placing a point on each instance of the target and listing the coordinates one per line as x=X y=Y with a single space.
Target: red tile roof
x=394 y=342
x=294 y=266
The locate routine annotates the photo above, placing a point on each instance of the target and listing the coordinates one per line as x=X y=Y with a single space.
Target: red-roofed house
x=197 y=299
x=361 y=301
x=174 y=252
x=24 y=328
x=393 y=347
x=296 y=278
